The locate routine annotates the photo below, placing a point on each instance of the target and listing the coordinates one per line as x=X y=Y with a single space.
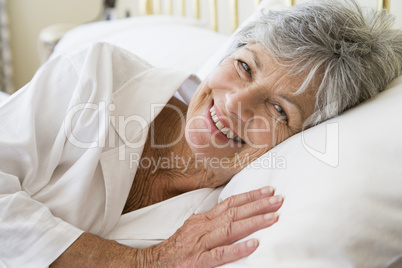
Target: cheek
x=247 y=156
x=266 y=133
x=196 y=130
x=282 y=134
x=200 y=99
x=259 y=132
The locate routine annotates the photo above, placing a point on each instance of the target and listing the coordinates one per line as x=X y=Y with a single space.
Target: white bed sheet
x=153 y=224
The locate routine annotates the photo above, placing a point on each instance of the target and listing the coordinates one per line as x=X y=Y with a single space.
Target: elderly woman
x=65 y=174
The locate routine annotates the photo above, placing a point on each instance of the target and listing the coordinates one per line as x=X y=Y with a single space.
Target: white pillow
x=3 y=96
x=163 y=41
x=342 y=184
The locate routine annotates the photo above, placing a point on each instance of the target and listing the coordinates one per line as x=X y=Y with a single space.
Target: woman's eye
x=245 y=66
x=281 y=112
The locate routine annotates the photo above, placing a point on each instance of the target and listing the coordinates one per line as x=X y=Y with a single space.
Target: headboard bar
x=169 y=7
x=213 y=9
x=183 y=8
x=235 y=14
x=147 y=8
x=196 y=9
x=384 y=4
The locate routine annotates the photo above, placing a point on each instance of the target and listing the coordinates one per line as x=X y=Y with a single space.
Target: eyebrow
x=255 y=58
x=286 y=98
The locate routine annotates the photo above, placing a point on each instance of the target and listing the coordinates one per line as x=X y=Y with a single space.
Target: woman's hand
x=206 y=239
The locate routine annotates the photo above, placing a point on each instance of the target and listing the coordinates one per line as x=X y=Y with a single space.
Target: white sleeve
x=31 y=143
x=31 y=120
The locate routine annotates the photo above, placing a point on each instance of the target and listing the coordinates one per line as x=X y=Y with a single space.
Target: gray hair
x=352 y=53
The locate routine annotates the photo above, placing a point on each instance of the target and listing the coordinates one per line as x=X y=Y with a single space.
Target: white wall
x=28 y=17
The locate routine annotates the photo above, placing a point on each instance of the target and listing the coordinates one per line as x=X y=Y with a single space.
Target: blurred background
x=21 y=22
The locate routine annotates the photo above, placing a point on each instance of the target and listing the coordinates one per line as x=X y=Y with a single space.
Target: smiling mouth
x=225 y=131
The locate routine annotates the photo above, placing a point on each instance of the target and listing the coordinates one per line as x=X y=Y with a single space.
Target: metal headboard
x=149 y=7
x=384 y=4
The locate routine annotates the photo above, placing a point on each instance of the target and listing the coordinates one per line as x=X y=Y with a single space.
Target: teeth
x=212 y=110
x=225 y=130
x=228 y=133
x=219 y=125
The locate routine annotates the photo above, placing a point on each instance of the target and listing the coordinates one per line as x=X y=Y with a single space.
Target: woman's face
x=245 y=108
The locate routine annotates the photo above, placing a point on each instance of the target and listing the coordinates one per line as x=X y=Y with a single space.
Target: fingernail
x=270 y=216
x=252 y=243
x=275 y=199
x=267 y=190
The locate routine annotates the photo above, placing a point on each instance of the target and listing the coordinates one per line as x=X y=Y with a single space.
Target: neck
x=167 y=171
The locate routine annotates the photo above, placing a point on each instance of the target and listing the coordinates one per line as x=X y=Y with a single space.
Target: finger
x=239 y=200
x=226 y=254
x=258 y=207
x=231 y=232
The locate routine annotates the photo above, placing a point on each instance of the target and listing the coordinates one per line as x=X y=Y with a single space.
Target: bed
x=341 y=180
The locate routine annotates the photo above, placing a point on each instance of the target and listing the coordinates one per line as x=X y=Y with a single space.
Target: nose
x=241 y=103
